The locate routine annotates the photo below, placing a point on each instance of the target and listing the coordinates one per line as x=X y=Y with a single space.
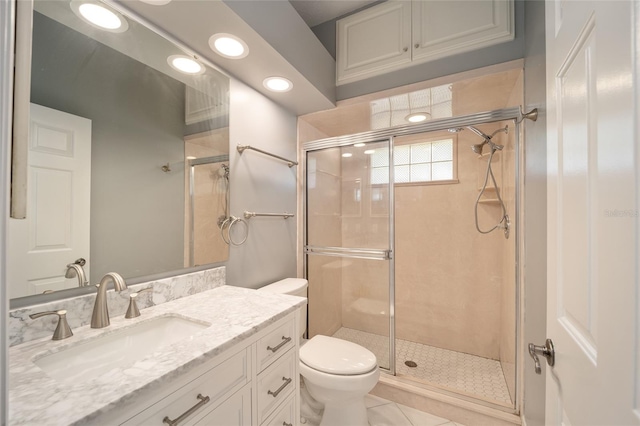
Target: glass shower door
x=349 y=245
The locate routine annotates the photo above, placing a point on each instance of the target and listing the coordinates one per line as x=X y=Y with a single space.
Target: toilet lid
x=336 y=356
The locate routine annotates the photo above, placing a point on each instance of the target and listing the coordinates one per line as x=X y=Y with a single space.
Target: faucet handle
x=133 y=311
x=62 y=329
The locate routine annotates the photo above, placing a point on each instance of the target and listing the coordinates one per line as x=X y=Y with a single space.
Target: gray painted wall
x=262 y=184
x=535 y=204
x=499 y=53
x=137 y=113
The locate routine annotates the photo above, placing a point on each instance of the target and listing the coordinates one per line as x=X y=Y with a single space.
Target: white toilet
x=336 y=373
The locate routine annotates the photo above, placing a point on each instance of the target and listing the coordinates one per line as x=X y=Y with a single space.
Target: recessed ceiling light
x=99 y=16
x=417 y=117
x=185 y=64
x=190 y=157
x=370 y=151
x=228 y=45
x=358 y=145
x=277 y=84
x=347 y=154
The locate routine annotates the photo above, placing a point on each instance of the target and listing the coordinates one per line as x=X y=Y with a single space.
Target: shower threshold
x=462 y=373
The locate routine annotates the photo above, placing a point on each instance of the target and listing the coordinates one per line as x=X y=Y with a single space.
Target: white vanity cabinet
x=252 y=383
x=400 y=33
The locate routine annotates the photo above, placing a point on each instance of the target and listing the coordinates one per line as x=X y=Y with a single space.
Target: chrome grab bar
x=357 y=253
x=285 y=215
x=290 y=163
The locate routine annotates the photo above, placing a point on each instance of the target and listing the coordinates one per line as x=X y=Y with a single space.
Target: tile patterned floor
x=456 y=371
x=382 y=412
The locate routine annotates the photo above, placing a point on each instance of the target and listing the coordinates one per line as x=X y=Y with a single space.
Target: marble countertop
x=234 y=314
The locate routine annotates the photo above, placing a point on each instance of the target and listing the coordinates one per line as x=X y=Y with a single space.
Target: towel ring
x=225 y=224
x=234 y=221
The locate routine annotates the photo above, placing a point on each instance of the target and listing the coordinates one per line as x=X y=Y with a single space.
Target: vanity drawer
x=283 y=415
x=275 y=344
x=219 y=382
x=235 y=411
x=276 y=383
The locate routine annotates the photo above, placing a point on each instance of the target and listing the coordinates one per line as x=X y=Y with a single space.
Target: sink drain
x=410 y=364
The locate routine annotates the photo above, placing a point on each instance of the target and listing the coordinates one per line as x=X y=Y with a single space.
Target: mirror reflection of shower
x=208 y=192
x=504 y=222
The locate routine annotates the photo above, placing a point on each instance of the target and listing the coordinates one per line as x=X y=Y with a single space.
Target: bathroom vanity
x=226 y=356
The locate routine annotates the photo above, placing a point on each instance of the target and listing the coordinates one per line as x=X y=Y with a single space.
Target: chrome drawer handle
x=285 y=340
x=284 y=385
x=190 y=411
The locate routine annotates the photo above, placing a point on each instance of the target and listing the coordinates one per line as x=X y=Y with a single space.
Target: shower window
x=430 y=161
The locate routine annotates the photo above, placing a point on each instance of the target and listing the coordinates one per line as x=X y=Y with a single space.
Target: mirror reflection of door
x=56 y=230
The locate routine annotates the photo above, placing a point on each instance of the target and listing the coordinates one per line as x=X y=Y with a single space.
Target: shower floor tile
x=455 y=371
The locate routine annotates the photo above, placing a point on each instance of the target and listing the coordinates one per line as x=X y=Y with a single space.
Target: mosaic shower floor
x=456 y=371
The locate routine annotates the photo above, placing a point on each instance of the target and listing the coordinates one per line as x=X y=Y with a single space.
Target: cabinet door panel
x=374 y=41
x=444 y=28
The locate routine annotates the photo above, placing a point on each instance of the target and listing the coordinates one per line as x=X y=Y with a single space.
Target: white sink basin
x=121 y=348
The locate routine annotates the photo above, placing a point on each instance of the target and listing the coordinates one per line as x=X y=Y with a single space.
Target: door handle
x=547 y=351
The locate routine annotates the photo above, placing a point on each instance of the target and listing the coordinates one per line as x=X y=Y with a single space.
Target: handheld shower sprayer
x=487 y=139
x=477 y=148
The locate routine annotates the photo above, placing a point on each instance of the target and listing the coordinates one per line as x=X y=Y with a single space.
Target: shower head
x=487 y=139
x=478 y=147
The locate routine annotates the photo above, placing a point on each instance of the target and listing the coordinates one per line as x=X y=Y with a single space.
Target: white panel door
x=592 y=214
x=374 y=41
x=444 y=28
x=56 y=230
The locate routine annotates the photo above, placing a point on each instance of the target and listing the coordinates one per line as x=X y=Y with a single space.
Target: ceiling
x=316 y=12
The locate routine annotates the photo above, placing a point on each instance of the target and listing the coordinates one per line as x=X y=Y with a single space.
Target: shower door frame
x=505 y=114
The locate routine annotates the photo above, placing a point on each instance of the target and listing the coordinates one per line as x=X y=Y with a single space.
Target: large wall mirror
x=126 y=157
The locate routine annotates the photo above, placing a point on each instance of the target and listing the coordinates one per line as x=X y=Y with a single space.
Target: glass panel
x=402 y=155
x=380 y=175
x=443 y=171
x=442 y=150
x=421 y=153
x=349 y=299
x=348 y=207
x=421 y=172
x=402 y=174
x=349 y=204
x=380 y=157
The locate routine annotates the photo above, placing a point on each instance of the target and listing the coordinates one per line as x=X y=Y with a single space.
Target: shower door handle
x=547 y=351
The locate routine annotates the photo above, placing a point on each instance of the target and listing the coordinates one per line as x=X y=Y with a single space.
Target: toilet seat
x=336 y=356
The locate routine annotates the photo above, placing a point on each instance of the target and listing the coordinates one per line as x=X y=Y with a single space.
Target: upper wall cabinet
x=374 y=41
x=397 y=34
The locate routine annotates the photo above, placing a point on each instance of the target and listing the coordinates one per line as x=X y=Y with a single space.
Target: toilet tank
x=293 y=287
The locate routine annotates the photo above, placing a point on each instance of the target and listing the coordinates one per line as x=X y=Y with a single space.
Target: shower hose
x=504 y=221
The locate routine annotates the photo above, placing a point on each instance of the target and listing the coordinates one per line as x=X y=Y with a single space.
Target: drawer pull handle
x=284 y=385
x=287 y=424
x=190 y=411
x=285 y=340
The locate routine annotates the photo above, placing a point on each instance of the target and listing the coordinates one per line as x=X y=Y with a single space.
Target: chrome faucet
x=100 y=316
x=76 y=270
